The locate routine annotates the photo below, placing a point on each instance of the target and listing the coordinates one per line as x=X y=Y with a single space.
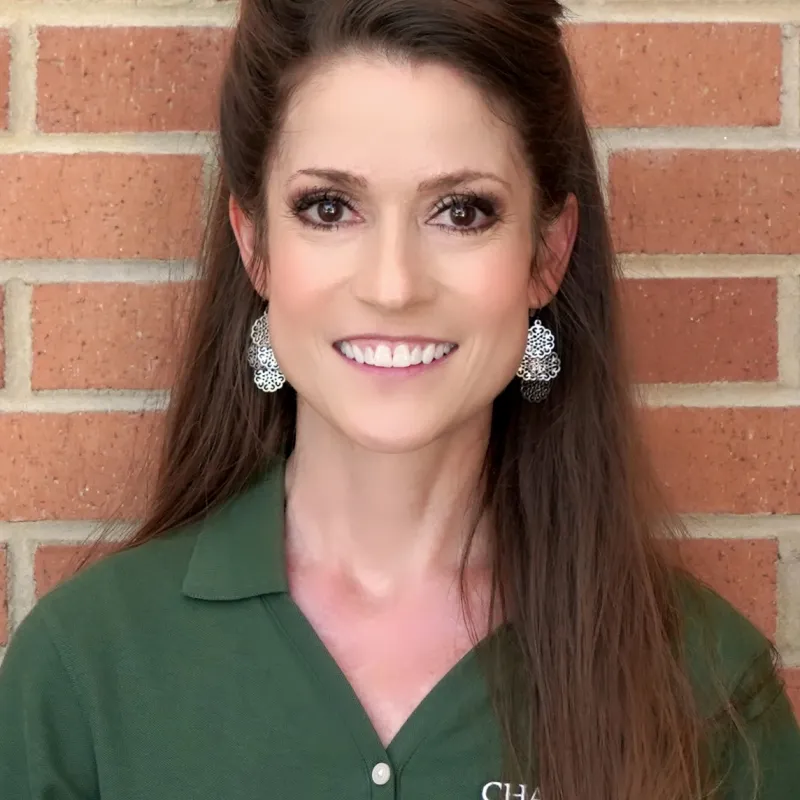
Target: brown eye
x=462 y=214
x=323 y=209
x=330 y=211
x=467 y=212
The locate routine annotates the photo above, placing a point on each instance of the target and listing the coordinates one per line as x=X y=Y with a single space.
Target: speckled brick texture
x=648 y=75
x=97 y=80
x=727 y=460
x=2 y=339
x=55 y=563
x=83 y=466
x=107 y=336
x=734 y=202
x=701 y=330
x=100 y=206
x=744 y=571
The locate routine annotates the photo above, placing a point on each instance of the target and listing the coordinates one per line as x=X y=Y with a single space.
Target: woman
x=405 y=541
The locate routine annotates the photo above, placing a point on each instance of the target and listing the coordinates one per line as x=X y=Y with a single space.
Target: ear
x=245 y=232
x=553 y=255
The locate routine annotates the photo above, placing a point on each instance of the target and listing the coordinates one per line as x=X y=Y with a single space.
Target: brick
x=727 y=460
x=55 y=563
x=100 y=205
x=743 y=571
x=2 y=339
x=679 y=74
x=716 y=201
x=3 y=595
x=75 y=466
x=698 y=331
x=107 y=336
x=5 y=77
x=99 y=80
x=792 y=678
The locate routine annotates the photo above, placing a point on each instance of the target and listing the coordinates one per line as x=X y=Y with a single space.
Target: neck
x=385 y=519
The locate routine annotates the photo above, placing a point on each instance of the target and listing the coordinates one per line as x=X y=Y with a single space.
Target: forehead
x=395 y=122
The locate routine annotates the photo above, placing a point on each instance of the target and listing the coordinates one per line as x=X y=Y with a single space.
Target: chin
x=390 y=428
x=390 y=439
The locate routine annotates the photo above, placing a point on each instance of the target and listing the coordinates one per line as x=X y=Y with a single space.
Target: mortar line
x=183 y=143
x=18 y=341
x=78 y=13
x=66 y=532
x=611 y=140
x=787 y=611
x=21 y=583
x=790 y=79
x=713 y=395
x=788 y=322
x=637 y=267
x=88 y=14
x=709 y=266
x=603 y=156
x=698 y=138
x=77 y=401
x=22 y=97
x=783 y=527
x=209 y=174
x=100 y=271
x=682 y=11
x=720 y=395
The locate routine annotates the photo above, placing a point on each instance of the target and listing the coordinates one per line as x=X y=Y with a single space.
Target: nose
x=393 y=274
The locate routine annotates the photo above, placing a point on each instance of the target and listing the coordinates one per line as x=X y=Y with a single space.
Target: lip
x=368 y=338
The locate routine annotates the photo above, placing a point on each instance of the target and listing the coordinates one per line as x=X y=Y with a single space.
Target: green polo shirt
x=182 y=670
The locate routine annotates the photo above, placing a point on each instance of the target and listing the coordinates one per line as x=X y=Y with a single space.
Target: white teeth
x=401 y=357
x=396 y=356
x=383 y=356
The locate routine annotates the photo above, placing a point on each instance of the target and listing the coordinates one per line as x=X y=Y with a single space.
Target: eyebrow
x=438 y=183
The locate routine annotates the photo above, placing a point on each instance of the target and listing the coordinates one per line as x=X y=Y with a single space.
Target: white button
x=381 y=774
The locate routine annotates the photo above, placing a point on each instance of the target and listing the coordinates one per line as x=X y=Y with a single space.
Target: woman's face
x=400 y=243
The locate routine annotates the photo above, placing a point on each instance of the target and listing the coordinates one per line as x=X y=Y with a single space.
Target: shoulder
x=147 y=572
x=728 y=659
x=119 y=593
x=93 y=618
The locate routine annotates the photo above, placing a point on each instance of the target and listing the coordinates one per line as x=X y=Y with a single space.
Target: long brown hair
x=592 y=693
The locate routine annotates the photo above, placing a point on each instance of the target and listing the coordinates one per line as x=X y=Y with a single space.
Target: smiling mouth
x=395 y=355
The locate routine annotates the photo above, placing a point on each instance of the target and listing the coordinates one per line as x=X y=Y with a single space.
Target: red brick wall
x=104 y=153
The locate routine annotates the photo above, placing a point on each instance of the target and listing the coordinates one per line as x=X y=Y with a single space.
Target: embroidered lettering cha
x=508 y=791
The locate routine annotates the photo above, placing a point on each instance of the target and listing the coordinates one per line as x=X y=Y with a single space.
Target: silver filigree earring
x=261 y=357
x=540 y=363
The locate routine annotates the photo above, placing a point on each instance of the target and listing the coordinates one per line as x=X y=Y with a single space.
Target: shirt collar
x=239 y=550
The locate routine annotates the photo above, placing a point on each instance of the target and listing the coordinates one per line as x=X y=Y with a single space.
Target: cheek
x=300 y=300
x=495 y=284
x=299 y=276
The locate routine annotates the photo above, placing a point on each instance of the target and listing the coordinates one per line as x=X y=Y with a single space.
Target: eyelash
x=487 y=203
